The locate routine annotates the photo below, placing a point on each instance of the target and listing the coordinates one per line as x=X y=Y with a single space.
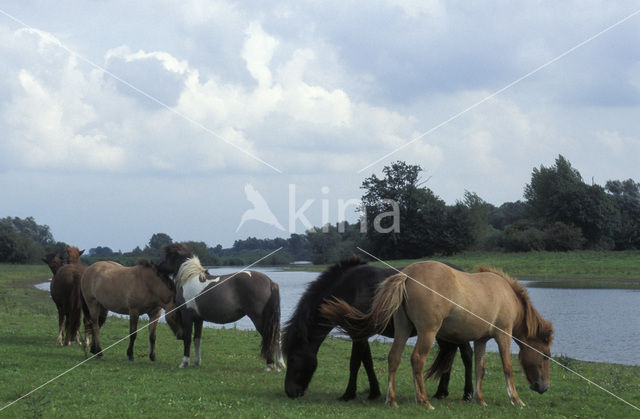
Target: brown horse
x=65 y=292
x=137 y=290
x=457 y=307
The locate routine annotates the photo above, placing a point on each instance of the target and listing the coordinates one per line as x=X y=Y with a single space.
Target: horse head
x=73 y=254
x=54 y=261
x=534 y=357
x=301 y=365
x=175 y=254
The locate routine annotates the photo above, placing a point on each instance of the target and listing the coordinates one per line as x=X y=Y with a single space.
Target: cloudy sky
x=119 y=120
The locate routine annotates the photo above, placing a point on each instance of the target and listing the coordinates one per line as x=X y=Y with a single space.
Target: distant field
x=578 y=269
x=231 y=382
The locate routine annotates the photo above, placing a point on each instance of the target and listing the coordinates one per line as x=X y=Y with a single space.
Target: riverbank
x=231 y=380
x=577 y=269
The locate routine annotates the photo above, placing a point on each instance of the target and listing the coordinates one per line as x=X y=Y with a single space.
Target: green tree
x=159 y=240
x=425 y=224
x=626 y=195
x=558 y=193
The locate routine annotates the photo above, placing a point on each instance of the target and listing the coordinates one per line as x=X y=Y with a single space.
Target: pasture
x=231 y=380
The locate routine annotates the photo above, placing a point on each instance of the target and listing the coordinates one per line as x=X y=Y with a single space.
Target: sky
x=119 y=120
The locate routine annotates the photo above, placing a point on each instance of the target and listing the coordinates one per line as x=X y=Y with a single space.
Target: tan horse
x=137 y=290
x=457 y=307
x=65 y=292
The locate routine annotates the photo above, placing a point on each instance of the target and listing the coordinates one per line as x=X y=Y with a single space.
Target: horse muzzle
x=539 y=387
x=294 y=391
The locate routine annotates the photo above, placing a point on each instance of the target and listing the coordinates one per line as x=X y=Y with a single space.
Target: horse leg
x=280 y=365
x=153 y=324
x=95 y=314
x=402 y=332
x=267 y=349
x=466 y=353
x=87 y=330
x=133 y=327
x=367 y=361
x=60 y=326
x=187 y=325
x=446 y=352
x=197 y=339
x=67 y=323
x=418 y=358
x=479 y=347
x=504 y=343
x=354 y=366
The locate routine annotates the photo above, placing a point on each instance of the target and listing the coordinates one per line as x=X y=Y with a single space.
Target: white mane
x=191 y=268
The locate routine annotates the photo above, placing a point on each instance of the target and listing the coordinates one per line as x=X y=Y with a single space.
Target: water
x=591 y=325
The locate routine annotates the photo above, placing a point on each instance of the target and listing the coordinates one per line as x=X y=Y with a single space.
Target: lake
x=592 y=325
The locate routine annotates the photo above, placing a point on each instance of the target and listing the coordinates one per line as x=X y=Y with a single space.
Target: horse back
x=64 y=282
x=467 y=305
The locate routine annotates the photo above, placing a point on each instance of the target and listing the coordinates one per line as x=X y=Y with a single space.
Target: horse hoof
x=346 y=397
x=374 y=395
x=152 y=357
x=183 y=365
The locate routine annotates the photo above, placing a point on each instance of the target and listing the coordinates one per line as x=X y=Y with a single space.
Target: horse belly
x=460 y=330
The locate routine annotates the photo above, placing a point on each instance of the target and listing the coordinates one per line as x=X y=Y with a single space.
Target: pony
x=136 y=290
x=355 y=282
x=439 y=301
x=65 y=292
x=226 y=299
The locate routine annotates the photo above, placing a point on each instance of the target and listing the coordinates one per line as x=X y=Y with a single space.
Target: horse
x=355 y=282
x=54 y=261
x=439 y=301
x=140 y=289
x=226 y=299
x=65 y=292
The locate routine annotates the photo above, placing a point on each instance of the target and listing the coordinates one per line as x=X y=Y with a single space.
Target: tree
x=558 y=194
x=626 y=195
x=424 y=219
x=159 y=240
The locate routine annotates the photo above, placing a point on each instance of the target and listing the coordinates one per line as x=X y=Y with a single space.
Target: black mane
x=306 y=310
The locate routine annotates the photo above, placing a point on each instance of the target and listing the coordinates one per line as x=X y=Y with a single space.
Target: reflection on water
x=591 y=325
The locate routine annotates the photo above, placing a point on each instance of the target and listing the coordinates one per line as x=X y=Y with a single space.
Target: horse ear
x=81 y=252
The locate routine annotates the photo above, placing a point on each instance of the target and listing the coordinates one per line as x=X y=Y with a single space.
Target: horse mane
x=307 y=309
x=533 y=324
x=148 y=263
x=189 y=268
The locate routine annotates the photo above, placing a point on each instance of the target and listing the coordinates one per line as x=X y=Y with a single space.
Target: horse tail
x=389 y=297
x=443 y=362
x=271 y=322
x=76 y=306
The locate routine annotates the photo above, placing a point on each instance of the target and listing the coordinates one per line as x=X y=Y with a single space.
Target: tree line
x=402 y=218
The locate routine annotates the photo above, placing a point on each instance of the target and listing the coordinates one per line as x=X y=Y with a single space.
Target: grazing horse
x=65 y=292
x=355 y=282
x=136 y=290
x=441 y=302
x=226 y=299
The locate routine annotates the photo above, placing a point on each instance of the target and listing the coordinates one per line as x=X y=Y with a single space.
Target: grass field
x=231 y=381
x=578 y=269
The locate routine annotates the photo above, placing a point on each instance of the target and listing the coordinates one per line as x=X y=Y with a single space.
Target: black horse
x=355 y=282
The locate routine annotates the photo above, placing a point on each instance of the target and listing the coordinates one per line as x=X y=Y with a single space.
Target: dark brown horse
x=65 y=292
x=137 y=290
x=459 y=307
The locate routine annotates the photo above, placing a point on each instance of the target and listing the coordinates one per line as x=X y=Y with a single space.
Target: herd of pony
x=433 y=300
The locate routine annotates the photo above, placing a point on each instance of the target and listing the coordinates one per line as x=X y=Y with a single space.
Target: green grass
x=578 y=269
x=231 y=381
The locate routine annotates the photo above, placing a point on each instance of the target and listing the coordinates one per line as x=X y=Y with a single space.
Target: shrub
x=562 y=237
